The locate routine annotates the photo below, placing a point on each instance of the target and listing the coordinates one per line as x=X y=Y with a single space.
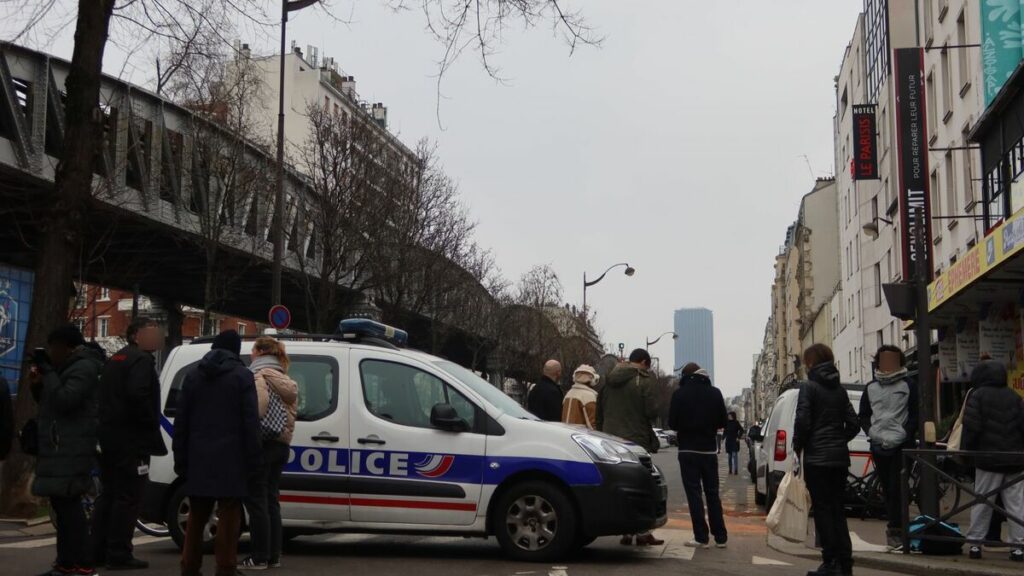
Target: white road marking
x=558 y=571
x=761 y=561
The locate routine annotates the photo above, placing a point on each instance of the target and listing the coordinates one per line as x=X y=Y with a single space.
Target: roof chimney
x=380 y=115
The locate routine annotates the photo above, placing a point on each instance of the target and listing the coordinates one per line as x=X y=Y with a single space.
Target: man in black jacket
x=217 y=450
x=544 y=400
x=696 y=413
x=994 y=422
x=129 y=434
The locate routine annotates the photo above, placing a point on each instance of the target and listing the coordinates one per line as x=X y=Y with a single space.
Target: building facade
x=696 y=341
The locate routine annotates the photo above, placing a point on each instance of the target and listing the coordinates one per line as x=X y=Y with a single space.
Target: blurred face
x=150 y=338
x=59 y=353
x=888 y=362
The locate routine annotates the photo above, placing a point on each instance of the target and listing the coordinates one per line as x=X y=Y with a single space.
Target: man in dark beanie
x=216 y=449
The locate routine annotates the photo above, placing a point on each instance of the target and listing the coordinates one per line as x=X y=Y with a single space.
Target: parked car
x=392 y=440
x=673 y=437
x=663 y=438
x=775 y=445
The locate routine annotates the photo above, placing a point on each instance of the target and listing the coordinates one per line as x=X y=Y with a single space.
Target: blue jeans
x=734 y=462
x=700 y=482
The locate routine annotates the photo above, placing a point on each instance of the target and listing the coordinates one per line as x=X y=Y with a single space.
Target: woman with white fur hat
x=580 y=404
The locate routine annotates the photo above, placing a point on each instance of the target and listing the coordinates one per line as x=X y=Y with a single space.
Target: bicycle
x=866 y=492
x=158 y=530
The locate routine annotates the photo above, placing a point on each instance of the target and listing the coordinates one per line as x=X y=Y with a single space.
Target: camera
x=40 y=357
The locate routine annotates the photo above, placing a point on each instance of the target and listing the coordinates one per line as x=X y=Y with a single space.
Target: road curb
x=914 y=564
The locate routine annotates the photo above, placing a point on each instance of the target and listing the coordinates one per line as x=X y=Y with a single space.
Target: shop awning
x=989 y=273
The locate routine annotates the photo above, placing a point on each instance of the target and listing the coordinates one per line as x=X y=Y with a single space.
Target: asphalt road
x=424 y=556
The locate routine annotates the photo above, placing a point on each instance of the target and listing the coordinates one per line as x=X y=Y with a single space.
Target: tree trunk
x=62 y=225
x=209 y=292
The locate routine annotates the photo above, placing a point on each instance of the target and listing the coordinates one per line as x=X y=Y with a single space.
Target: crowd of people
x=99 y=415
x=626 y=406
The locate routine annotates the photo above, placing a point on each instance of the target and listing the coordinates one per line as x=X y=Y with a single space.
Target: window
x=80 y=297
x=80 y=324
x=947 y=85
x=929 y=92
x=967 y=170
x=241 y=329
x=104 y=295
x=103 y=326
x=405 y=395
x=316 y=376
x=951 y=208
x=934 y=192
x=880 y=338
x=929 y=23
x=876 y=45
x=963 y=55
x=878 y=284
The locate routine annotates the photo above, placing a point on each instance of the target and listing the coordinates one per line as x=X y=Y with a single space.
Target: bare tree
x=351 y=198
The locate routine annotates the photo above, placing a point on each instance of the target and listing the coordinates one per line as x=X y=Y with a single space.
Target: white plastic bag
x=788 y=516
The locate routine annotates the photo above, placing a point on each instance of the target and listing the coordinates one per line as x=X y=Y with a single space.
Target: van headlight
x=604 y=450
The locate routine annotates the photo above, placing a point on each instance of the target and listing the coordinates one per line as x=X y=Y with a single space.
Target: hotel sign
x=865 y=150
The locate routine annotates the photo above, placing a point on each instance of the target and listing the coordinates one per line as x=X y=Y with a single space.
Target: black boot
x=826 y=569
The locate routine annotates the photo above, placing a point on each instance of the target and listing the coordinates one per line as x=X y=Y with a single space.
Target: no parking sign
x=280 y=317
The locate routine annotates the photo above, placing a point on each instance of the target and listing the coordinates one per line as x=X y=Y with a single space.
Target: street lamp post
x=278 y=222
x=588 y=283
x=656 y=340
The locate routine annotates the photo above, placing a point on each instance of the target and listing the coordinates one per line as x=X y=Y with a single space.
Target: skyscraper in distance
x=696 y=342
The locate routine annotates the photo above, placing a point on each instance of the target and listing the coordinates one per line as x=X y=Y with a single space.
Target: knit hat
x=228 y=340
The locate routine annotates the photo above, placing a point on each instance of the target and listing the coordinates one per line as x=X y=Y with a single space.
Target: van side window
x=405 y=395
x=317 y=377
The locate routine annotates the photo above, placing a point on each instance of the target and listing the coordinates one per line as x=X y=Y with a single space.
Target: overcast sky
x=677 y=146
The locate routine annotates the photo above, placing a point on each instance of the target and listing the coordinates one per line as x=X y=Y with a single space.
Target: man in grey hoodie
x=889 y=416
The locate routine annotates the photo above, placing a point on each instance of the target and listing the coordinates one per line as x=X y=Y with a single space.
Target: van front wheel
x=535 y=522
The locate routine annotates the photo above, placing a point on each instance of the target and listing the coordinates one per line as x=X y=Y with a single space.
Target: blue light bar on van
x=355 y=328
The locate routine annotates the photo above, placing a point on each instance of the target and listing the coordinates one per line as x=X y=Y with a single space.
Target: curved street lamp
x=656 y=340
x=588 y=283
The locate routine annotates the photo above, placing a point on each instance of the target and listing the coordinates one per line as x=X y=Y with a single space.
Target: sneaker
x=250 y=564
x=722 y=545
x=84 y=572
x=1017 y=555
x=274 y=563
x=894 y=542
x=129 y=564
x=696 y=544
x=975 y=553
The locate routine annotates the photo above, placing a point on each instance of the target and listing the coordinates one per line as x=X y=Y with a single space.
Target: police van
x=393 y=440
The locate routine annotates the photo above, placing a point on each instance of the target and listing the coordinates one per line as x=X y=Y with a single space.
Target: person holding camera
x=64 y=379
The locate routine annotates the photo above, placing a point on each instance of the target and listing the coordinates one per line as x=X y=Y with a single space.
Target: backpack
x=274 y=421
x=933 y=547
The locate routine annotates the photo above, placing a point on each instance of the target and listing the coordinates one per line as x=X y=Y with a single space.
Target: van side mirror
x=444 y=417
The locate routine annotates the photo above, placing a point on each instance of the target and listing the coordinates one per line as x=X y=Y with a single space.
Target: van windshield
x=489 y=392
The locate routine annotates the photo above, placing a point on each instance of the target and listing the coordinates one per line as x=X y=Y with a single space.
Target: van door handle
x=372 y=439
x=325 y=437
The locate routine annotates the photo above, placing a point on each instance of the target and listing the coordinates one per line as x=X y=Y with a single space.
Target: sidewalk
x=11 y=529
x=869 y=551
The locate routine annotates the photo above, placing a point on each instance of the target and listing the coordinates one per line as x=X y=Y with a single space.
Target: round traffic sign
x=280 y=317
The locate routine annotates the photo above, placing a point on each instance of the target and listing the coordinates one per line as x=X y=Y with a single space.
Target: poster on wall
x=997 y=335
x=1001 y=47
x=967 y=348
x=948 y=368
x=15 y=300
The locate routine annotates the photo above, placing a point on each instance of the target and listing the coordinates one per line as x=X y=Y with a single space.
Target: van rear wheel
x=178 y=510
x=535 y=522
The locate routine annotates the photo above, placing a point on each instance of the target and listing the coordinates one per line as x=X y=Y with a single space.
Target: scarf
x=886 y=378
x=261 y=362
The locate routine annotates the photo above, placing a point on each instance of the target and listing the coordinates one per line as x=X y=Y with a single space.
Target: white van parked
x=775 y=446
x=391 y=440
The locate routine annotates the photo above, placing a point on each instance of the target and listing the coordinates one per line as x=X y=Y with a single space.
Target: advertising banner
x=948 y=367
x=997 y=335
x=912 y=153
x=865 y=148
x=1001 y=46
x=15 y=301
x=967 y=355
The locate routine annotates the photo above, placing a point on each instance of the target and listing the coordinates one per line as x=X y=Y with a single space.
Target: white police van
x=391 y=440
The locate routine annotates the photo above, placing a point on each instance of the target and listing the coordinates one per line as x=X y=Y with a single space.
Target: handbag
x=956 y=434
x=274 y=421
x=788 y=516
x=28 y=438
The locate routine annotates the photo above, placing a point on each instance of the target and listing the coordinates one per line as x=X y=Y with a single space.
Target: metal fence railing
x=958 y=478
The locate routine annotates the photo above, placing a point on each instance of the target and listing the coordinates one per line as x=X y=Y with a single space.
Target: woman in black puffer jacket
x=994 y=422
x=825 y=423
